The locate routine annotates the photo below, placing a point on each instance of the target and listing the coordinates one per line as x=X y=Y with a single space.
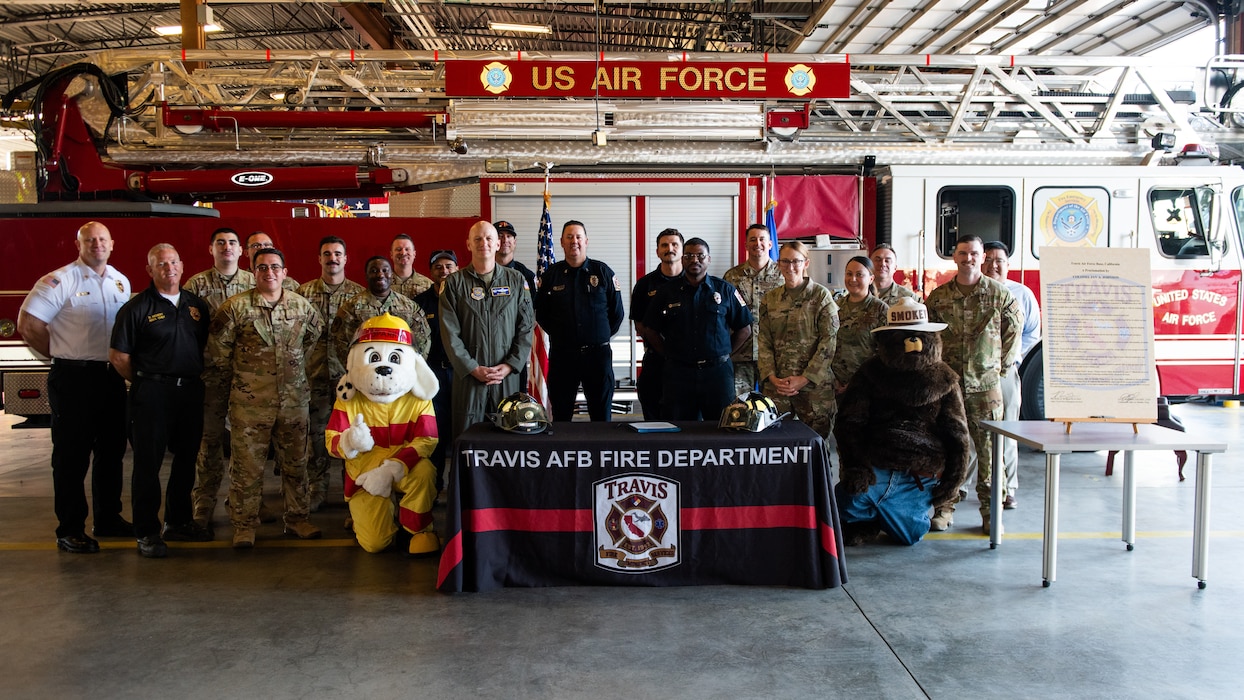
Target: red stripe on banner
x=566 y=520
x=520 y=54
x=828 y=542
x=351 y=55
x=267 y=54
x=524 y=520
x=766 y=57
x=450 y=558
x=749 y=517
x=183 y=54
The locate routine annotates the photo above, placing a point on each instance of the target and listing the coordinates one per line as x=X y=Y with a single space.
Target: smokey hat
x=907 y=314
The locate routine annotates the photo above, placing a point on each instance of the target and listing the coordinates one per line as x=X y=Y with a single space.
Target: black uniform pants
x=694 y=392
x=443 y=404
x=649 y=385
x=88 y=418
x=164 y=416
x=590 y=366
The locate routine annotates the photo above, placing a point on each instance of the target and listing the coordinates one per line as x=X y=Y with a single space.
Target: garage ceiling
x=36 y=37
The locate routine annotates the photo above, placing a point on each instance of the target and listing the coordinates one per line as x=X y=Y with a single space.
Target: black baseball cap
x=441 y=254
x=505 y=227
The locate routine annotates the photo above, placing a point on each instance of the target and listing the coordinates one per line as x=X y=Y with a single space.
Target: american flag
x=537 y=385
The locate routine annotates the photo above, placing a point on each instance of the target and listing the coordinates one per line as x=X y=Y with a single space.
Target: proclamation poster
x=1098 y=323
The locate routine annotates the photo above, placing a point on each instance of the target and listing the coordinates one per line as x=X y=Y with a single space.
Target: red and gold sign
x=645 y=79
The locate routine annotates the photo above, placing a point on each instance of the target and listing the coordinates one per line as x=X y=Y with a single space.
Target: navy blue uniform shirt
x=580 y=305
x=696 y=321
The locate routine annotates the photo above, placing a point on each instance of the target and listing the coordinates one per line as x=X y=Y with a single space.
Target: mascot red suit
x=384 y=427
x=902 y=433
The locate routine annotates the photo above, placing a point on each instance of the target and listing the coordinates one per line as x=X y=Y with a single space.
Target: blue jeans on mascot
x=899 y=502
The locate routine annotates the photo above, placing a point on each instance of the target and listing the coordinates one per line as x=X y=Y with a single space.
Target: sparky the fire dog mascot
x=902 y=433
x=384 y=427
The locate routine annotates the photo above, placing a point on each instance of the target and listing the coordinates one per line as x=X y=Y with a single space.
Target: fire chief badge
x=636 y=521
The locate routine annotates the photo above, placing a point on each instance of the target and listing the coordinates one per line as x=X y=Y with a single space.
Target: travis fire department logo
x=496 y=77
x=800 y=79
x=637 y=523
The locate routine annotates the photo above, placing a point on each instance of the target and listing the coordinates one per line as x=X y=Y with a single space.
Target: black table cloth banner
x=598 y=504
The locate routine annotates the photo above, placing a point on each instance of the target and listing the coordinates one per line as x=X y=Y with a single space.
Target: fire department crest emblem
x=800 y=79
x=496 y=78
x=1072 y=218
x=637 y=523
x=195 y=314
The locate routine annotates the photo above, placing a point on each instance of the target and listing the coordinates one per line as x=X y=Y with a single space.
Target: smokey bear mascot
x=384 y=427
x=902 y=433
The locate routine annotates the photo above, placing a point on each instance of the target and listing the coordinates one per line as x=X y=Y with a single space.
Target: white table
x=1055 y=441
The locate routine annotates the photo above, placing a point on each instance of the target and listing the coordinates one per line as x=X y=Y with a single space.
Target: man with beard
x=651 y=377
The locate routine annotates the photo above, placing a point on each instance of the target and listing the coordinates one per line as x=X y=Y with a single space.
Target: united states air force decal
x=637 y=523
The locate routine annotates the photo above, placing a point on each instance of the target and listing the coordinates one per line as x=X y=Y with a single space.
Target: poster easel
x=1098 y=347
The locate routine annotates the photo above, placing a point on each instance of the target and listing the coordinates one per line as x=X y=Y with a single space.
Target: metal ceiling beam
x=916 y=15
x=989 y=21
x=934 y=38
x=1050 y=16
x=370 y=24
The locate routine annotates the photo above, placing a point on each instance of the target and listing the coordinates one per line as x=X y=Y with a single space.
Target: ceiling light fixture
x=515 y=27
x=175 y=29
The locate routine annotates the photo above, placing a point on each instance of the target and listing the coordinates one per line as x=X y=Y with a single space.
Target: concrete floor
x=948 y=618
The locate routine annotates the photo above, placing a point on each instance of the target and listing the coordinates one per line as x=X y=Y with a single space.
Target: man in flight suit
x=486 y=324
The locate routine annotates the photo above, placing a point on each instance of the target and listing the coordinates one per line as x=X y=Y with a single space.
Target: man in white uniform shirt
x=68 y=316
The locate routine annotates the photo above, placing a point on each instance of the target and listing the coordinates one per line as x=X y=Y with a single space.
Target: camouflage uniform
x=412 y=286
x=893 y=294
x=214 y=288
x=856 y=343
x=324 y=369
x=484 y=323
x=981 y=342
x=365 y=305
x=264 y=348
x=798 y=333
x=752 y=284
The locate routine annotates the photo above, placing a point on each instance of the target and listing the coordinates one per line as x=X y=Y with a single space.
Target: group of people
x=766 y=324
x=234 y=366
x=225 y=368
